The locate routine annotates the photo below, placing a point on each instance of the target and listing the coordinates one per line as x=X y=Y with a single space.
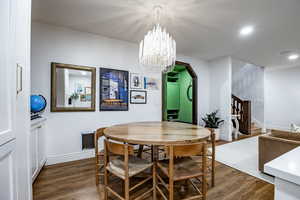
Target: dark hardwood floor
x=76 y=181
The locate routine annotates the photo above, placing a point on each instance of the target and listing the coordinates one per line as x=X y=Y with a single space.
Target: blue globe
x=38 y=103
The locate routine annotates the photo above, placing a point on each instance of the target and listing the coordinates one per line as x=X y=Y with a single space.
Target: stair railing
x=243 y=110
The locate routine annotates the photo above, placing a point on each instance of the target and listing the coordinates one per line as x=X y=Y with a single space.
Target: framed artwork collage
x=73 y=88
x=114 y=89
x=139 y=84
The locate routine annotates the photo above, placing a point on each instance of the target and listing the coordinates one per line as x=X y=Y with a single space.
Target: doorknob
x=19 y=78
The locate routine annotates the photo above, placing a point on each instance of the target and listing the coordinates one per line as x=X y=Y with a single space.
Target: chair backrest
x=186 y=150
x=118 y=149
x=99 y=133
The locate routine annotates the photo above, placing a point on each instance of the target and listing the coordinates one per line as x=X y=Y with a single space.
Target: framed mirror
x=72 y=88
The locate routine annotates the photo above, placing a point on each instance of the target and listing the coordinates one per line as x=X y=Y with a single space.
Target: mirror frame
x=54 y=108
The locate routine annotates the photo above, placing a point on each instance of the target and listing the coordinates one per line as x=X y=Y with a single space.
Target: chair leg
x=105 y=184
x=154 y=181
x=97 y=179
x=127 y=189
x=213 y=173
x=204 y=171
x=204 y=187
x=97 y=169
x=213 y=158
x=171 y=189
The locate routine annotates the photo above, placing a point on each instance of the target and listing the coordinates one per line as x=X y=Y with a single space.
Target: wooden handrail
x=243 y=109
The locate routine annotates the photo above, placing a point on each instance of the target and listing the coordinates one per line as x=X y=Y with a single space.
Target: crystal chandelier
x=158 y=49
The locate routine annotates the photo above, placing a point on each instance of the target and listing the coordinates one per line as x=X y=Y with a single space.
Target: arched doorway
x=179 y=94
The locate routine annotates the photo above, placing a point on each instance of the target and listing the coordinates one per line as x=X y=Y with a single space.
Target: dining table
x=158 y=133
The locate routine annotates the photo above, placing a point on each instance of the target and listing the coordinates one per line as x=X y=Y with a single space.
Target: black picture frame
x=138 y=79
x=138 y=91
x=113 y=89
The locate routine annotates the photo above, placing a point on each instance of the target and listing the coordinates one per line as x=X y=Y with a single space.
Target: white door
x=8 y=173
x=6 y=74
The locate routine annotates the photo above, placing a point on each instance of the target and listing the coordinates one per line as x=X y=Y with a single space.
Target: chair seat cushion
x=183 y=168
x=136 y=165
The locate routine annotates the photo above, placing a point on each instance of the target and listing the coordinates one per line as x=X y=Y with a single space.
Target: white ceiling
x=203 y=29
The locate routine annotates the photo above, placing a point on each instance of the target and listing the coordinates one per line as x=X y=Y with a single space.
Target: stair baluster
x=243 y=109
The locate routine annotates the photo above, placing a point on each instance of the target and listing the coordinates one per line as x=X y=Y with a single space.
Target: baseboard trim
x=39 y=170
x=51 y=160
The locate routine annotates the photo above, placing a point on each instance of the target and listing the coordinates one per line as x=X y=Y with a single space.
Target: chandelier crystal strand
x=158 y=48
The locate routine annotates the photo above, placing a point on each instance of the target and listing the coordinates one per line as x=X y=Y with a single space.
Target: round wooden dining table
x=155 y=134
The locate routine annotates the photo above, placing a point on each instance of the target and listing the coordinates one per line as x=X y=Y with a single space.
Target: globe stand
x=35 y=116
x=38 y=105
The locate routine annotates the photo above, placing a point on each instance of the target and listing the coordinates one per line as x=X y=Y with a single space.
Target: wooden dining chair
x=181 y=166
x=99 y=155
x=125 y=166
x=211 y=153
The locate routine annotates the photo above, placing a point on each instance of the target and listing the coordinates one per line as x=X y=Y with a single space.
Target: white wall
x=57 y=44
x=220 y=92
x=282 y=97
x=248 y=84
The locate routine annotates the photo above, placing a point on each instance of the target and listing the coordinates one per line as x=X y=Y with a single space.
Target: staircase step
x=256 y=130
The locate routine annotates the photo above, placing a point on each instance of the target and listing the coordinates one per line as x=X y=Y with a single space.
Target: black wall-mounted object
x=88 y=141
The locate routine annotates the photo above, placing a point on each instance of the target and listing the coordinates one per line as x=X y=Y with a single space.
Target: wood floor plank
x=75 y=181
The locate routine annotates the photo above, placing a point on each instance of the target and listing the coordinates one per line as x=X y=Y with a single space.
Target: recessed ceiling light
x=246 y=30
x=293 y=56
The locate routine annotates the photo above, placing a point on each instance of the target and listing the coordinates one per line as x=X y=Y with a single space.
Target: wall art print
x=138 y=97
x=151 y=83
x=136 y=81
x=113 y=90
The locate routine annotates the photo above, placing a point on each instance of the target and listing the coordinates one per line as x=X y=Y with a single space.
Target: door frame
x=195 y=92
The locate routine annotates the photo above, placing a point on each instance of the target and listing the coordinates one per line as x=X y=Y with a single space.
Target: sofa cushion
x=286 y=135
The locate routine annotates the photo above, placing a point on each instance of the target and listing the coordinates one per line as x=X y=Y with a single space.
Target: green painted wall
x=173 y=96
x=186 y=106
